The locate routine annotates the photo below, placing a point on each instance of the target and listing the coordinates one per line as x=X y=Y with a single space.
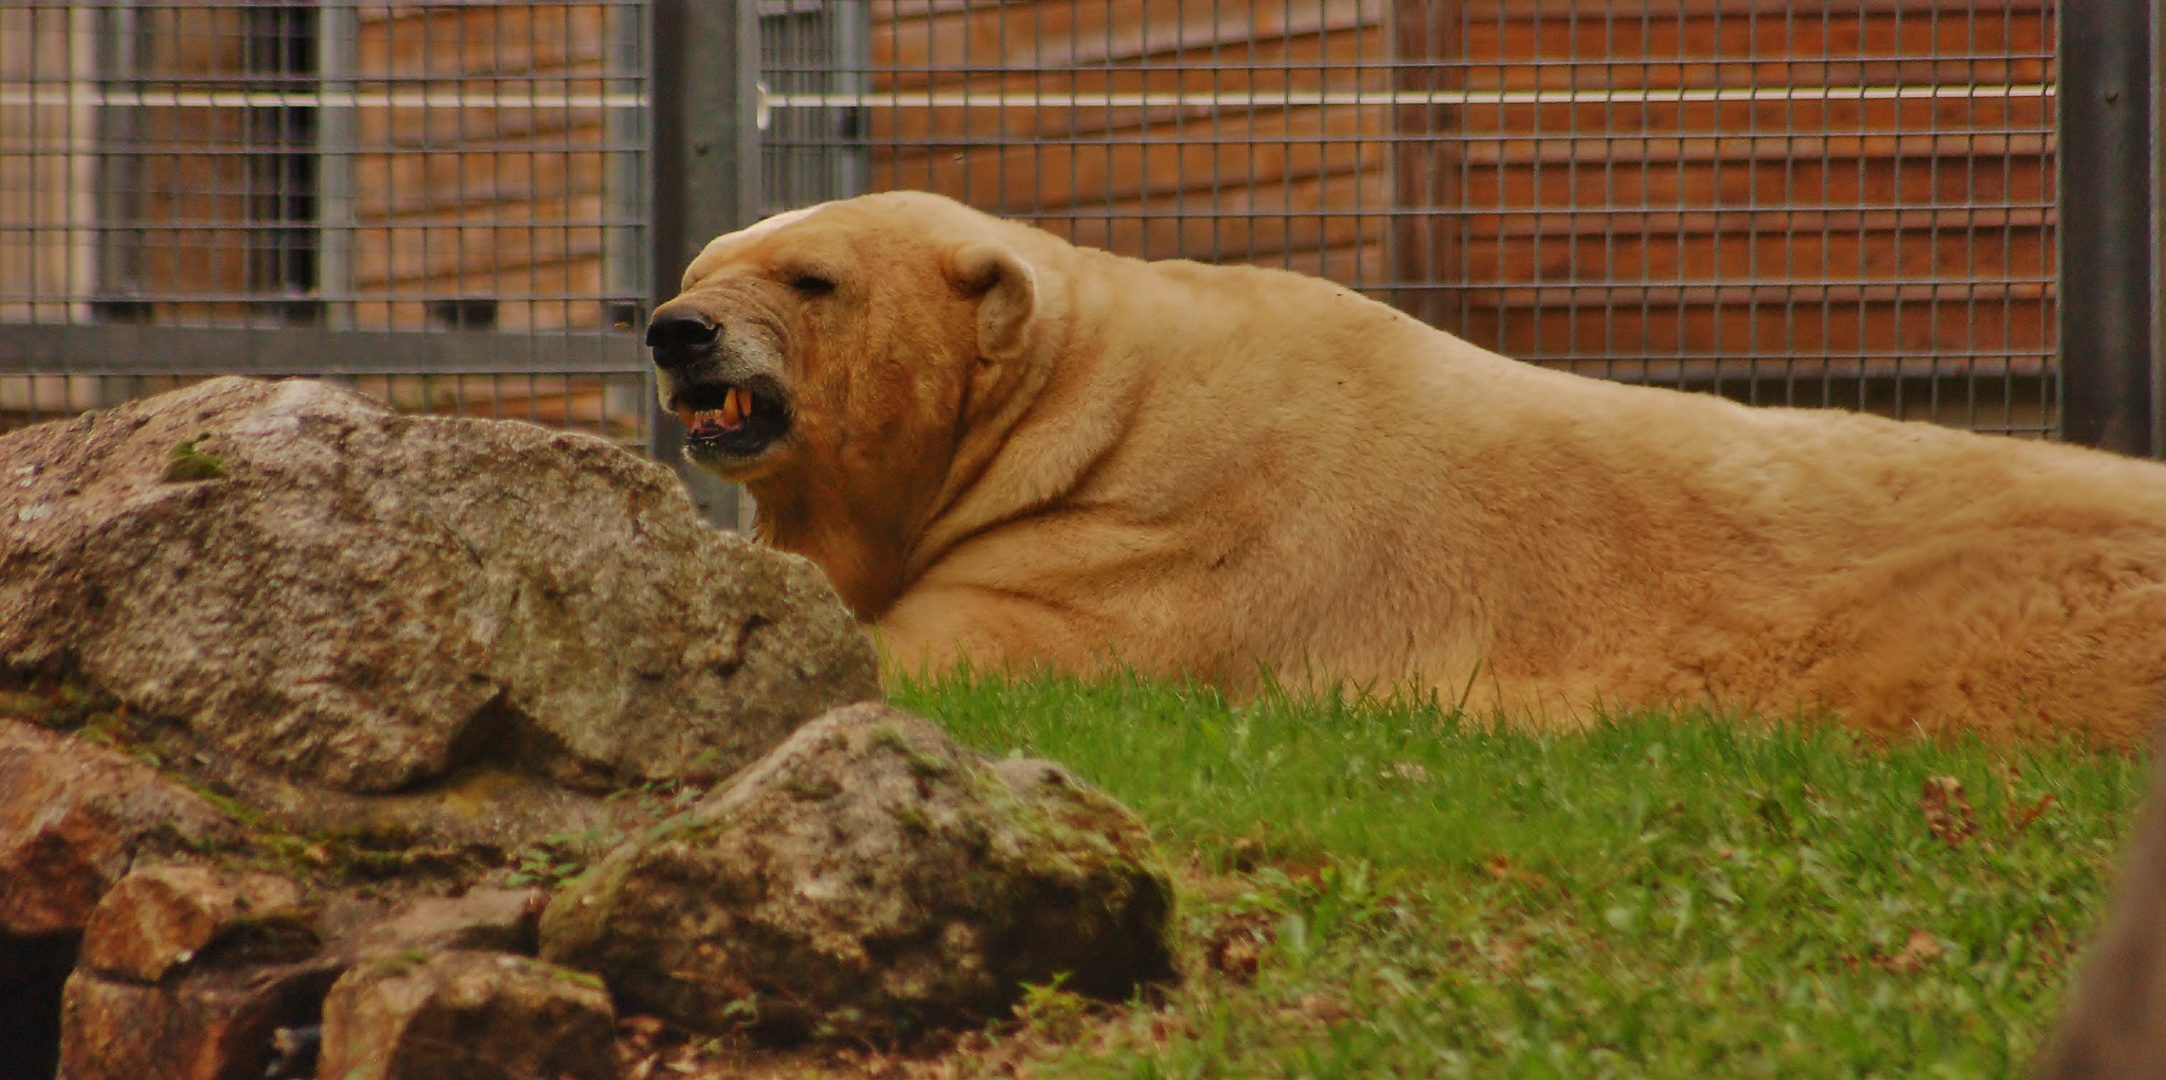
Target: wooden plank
x=1348 y=264
x=1234 y=150
x=432 y=129
x=1809 y=183
x=478 y=41
x=1744 y=294
x=1633 y=71
x=1761 y=220
x=1984 y=255
x=480 y=248
x=1302 y=65
x=429 y=185
x=2026 y=114
x=1992 y=379
x=540 y=296
x=1080 y=33
x=191 y=41
x=1256 y=223
x=1603 y=152
x=1807 y=51
x=1587 y=9
x=1804 y=327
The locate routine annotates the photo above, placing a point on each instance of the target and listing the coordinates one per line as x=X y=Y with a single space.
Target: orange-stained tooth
x=729 y=407
x=746 y=397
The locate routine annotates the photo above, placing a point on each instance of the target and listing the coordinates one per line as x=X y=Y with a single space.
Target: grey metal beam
x=706 y=156
x=2158 y=228
x=2106 y=230
x=131 y=349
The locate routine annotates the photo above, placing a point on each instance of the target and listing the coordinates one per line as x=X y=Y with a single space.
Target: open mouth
x=732 y=420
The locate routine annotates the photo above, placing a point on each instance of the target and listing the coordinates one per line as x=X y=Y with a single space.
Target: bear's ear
x=1007 y=293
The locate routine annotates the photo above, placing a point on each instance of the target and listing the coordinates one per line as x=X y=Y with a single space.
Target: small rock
x=467 y=1015
x=865 y=878
x=158 y=919
x=294 y=1051
x=214 y=1024
x=73 y=818
x=490 y=919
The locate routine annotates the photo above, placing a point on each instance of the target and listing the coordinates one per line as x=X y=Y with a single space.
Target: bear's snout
x=681 y=336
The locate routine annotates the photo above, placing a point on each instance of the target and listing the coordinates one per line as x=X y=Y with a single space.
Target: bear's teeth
x=736 y=408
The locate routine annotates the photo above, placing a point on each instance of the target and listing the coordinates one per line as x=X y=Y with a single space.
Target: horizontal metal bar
x=1805 y=370
x=1065 y=66
x=136 y=349
x=57 y=94
x=1627 y=95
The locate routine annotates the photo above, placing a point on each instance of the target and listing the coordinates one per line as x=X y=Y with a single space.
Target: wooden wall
x=502 y=205
x=204 y=209
x=1807 y=227
x=1616 y=228
x=1253 y=180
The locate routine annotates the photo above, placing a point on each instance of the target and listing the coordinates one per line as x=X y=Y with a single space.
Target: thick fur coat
x=1006 y=448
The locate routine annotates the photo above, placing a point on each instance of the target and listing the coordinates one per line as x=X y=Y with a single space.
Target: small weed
x=184 y=463
x=547 y=864
x=912 y=818
x=583 y=979
x=1053 y=1011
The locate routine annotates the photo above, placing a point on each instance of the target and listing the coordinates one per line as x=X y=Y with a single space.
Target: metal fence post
x=2107 y=191
x=2158 y=229
x=706 y=158
x=336 y=36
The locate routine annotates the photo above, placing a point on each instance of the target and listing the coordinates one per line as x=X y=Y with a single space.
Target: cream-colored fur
x=1018 y=451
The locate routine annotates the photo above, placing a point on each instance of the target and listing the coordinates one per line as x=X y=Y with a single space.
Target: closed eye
x=812 y=284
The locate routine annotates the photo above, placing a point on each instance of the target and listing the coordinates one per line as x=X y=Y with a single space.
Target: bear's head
x=835 y=360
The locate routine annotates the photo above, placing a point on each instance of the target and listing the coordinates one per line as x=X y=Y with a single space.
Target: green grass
x=1683 y=896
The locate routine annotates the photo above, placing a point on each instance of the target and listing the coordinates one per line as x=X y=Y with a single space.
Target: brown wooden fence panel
x=1842 y=202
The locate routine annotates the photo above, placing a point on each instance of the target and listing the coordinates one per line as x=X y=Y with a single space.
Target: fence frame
x=2110 y=209
x=333 y=348
x=704 y=110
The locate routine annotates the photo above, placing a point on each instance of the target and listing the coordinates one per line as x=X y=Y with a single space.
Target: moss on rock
x=924 y=891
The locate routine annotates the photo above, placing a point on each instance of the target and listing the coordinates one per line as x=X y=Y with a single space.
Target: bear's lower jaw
x=729 y=423
x=736 y=454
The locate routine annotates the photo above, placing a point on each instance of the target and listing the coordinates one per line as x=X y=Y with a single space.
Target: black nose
x=681 y=329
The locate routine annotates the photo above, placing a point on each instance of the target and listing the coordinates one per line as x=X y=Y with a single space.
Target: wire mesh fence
x=1839 y=203
x=1846 y=203
x=442 y=203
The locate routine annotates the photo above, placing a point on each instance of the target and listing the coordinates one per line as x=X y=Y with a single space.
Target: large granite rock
x=295 y=691
x=866 y=877
x=307 y=582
